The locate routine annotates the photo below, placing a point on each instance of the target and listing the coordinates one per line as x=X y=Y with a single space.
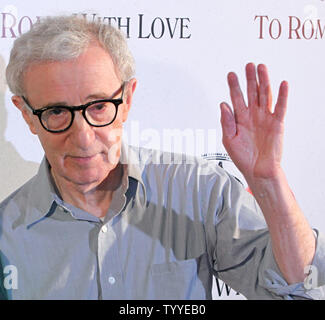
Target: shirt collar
x=43 y=195
x=131 y=160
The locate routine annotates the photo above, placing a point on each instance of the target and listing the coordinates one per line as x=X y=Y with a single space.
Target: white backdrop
x=183 y=51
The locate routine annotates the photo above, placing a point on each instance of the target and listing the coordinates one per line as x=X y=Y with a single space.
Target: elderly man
x=102 y=220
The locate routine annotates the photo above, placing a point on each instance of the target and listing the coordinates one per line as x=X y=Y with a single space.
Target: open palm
x=253 y=133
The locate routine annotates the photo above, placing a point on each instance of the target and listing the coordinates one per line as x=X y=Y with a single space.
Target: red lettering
x=21 y=23
x=261 y=25
x=5 y=25
x=304 y=31
x=291 y=29
x=321 y=31
x=271 y=28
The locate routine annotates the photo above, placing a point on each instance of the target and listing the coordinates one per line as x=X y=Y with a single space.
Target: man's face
x=83 y=155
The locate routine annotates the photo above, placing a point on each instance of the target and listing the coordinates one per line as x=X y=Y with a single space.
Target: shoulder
x=181 y=170
x=144 y=158
x=17 y=202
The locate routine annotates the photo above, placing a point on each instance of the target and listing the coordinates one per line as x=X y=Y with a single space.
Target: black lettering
x=140 y=29
x=182 y=29
x=221 y=288
x=127 y=25
x=171 y=31
x=154 y=29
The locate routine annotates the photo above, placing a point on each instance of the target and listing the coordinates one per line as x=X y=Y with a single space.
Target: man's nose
x=81 y=132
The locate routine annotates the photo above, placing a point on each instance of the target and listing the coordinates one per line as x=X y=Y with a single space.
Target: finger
x=282 y=101
x=265 y=94
x=252 y=86
x=228 y=122
x=236 y=95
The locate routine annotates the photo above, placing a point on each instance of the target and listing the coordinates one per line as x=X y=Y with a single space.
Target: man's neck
x=94 y=199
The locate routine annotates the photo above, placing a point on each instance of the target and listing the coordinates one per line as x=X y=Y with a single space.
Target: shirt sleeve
x=241 y=249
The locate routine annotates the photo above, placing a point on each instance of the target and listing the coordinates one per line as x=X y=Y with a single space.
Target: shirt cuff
x=313 y=288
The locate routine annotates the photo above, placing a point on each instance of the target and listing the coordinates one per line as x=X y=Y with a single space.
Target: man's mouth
x=84 y=159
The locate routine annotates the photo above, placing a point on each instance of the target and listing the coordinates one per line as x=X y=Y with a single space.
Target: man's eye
x=99 y=106
x=56 y=112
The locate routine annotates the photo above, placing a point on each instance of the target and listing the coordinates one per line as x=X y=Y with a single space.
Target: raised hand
x=253 y=136
x=253 y=132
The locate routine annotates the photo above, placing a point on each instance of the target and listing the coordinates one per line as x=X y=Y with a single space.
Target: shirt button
x=104 y=229
x=111 y=280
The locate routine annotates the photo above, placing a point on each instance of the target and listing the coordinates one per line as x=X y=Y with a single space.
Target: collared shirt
x=173 y=224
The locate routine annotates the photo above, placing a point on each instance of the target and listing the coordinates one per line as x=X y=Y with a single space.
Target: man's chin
x=82 y=179
x=87 y=179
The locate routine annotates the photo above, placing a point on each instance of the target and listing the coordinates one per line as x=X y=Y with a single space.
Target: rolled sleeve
x=312 y=288
x=243 y=256
x=315 y=286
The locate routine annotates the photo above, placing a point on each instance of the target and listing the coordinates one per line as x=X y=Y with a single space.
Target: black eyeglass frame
x=72 y=109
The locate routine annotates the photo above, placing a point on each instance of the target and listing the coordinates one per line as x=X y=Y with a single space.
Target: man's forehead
x=93 y=57
x=91 y=74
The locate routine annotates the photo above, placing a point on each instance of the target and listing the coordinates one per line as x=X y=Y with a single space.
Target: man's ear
x=130 y=88
x=28 y=116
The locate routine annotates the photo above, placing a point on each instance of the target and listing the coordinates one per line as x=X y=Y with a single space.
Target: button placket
x=109 y=264
x=111 y=280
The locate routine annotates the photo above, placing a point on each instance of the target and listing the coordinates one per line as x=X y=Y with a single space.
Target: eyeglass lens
x=98 y=114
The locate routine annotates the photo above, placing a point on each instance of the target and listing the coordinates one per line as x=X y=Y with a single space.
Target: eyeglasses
x=99 y=113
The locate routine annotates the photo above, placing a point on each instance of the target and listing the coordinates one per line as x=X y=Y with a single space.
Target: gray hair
x=62 y=38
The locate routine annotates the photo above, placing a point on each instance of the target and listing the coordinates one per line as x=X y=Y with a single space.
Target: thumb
x=228 y=122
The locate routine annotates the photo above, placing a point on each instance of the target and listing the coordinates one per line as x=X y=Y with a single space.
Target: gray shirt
x=173 y=224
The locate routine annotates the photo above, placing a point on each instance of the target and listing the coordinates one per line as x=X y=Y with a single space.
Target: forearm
x=293 y=241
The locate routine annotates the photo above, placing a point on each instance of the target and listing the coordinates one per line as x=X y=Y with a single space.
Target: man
x=102 y=220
